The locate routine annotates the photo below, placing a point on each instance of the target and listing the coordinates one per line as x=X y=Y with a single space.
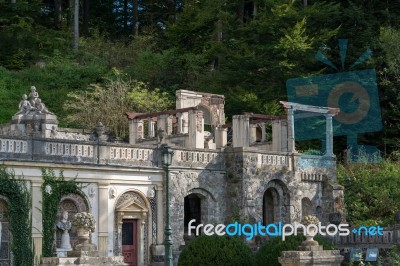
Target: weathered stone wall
x=210 y=186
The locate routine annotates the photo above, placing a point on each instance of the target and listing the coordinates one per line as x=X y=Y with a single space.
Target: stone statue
x=41 y=108
x=24 y=106
x=33 y=95
x=65 y=226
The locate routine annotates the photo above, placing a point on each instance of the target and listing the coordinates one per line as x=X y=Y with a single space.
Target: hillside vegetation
x=244 y=49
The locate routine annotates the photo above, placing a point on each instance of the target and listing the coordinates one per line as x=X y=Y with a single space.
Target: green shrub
x=272 y=249
x=216 y=250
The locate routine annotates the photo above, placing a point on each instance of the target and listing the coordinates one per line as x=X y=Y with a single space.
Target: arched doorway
x=306 y=207
x=132 y=226
x=192 y=210
x=276 y=203
x=5 y=245
x=270 y=206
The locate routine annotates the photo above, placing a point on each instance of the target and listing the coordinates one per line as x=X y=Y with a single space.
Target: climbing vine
x=53 y=189
x=19 y=212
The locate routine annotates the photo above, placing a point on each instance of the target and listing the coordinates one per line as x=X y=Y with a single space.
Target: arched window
x=306 y=207
x=270 y=206
x=192 y=210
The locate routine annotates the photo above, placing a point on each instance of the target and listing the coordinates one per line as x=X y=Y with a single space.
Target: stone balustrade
x=13 y=145
x=196 y=156
x=272 y=159
x=68 y=149
x=122 y=153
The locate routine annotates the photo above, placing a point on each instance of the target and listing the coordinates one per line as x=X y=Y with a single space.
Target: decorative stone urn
x=83 y=235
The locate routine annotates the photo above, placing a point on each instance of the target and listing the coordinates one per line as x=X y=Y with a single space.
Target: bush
x=216 y=250
x=272 y=249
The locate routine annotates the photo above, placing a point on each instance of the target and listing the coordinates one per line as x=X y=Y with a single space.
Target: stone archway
x=276 y=202
x=72 y=203
x=5 y=236
x=306 y=207
x=133 y=214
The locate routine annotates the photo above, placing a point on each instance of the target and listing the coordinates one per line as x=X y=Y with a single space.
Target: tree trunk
x=241 y=11
x=85 y=24
x=57 y=14
x=305 y=2
x=125 y=15
x=135 y=17
x=254 y=9
x=76 y=25
x=13 y=1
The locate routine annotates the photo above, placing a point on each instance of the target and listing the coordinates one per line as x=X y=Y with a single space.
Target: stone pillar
x=135 y=130
x=179 y=129
x=37 y=226
x=196 y=130
x=240 y=124
x=103 y=220
x=158 y=249
x=263 y=133
x=162 y=123
x=150 y=128
x=160 y=215
x=253 y=133
x=329 y=135
x=291 y=136
x=221 y=137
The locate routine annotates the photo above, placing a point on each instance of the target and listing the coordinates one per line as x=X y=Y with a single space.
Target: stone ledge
x=84 y=261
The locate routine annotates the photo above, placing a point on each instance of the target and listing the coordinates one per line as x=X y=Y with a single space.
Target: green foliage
x=59 y=187
x=18 y=210
x=272 y=249
x=110 y=102
x=371 y=191
x=216 y=250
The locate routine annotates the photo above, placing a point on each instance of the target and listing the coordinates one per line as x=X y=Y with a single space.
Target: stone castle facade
x=248 y=170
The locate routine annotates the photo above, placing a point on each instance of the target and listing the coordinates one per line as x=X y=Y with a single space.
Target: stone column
x=253 y=133
x=329 y=135
x=37 y=226
x=135 y=130
x=263 y=133
x=158 y=250
x=103 y=219
x=160 y=215
x=241 y=127
x=150 y=127
x=291 y=136
x=179 y=129
x=221 y=137
x=196 y=132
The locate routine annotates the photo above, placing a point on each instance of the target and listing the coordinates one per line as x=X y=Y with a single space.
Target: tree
x=109 y=103
x=371 y=191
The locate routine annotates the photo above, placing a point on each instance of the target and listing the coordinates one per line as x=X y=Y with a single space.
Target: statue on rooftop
x=41 y=108
x=24 y=106
x=33 y=96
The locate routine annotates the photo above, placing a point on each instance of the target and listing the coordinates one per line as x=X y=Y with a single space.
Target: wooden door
x=130 y=242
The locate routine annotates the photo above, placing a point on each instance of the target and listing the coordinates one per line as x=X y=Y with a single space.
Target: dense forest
x=244 y=49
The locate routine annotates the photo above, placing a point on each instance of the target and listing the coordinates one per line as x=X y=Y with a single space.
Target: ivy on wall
x=53 y=189
x=19 y=212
